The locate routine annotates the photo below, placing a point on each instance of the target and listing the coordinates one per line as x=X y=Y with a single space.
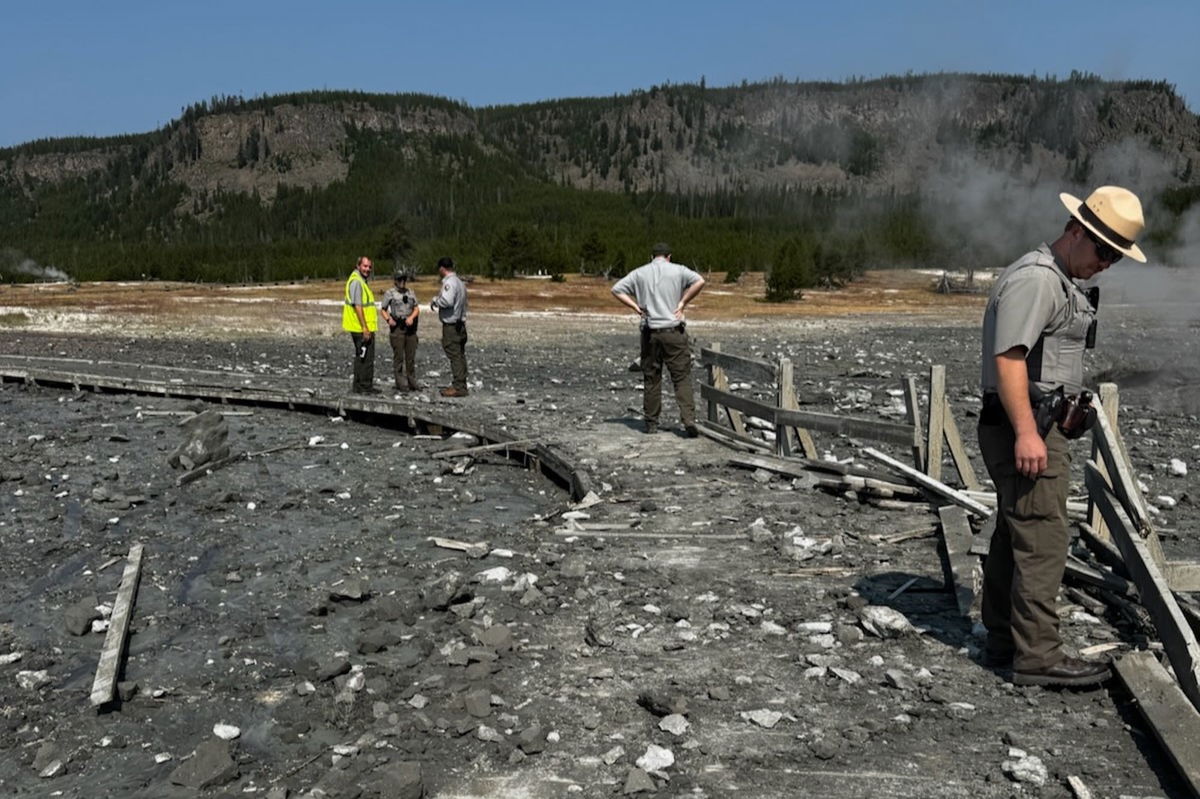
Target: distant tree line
x=490 y=202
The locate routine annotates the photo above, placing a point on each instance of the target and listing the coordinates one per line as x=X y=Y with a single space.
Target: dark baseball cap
x=662 y=248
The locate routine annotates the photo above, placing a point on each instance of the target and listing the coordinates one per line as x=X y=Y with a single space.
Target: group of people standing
x=401 y=312
x=1036 y=327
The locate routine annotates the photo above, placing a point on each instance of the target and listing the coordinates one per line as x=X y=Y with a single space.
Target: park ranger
x=1036 y=326
x=400 y=310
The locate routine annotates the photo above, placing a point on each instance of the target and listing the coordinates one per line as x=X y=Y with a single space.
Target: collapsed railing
x=1113 y=523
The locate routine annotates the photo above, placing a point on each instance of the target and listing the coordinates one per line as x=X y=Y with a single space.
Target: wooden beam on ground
x=619 y=534
x=1174 y=722
x=925 y=481
x=1177 y=637
x=1110 y=401
x=936 y=421
x=1081 y=572
x=211 y=466
x=730 y=438
x=958 y=566
x=759 y=369
x=912 y=410
x=771 y=464
x=522 y=444
x=111 y=655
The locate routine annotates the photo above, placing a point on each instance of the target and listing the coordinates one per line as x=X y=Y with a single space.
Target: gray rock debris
x=207 y=435
x=638 y=781
x=77 y=619
x=211 y=764
x=402 y=780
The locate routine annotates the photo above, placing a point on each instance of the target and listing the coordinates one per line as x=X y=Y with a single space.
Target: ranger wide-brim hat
x=1112 y=213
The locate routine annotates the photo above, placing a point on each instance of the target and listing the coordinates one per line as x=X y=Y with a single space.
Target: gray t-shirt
x=451 y=303
x=657 y=287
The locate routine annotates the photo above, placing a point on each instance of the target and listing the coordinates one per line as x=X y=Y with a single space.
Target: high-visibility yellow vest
x=349 y=317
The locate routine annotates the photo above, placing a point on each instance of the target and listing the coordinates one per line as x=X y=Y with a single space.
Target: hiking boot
x=1067 y=673
x=413 y=385
x=691 y=431
x=650 y=427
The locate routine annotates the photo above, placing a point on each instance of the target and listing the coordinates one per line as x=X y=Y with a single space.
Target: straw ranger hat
x=1112 y=213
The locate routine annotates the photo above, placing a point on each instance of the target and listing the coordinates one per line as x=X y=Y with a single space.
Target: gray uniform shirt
x=399 y=303
x=657 y=287
x=1036 y=306
x=451 y=303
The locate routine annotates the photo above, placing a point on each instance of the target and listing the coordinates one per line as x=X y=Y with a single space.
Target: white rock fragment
x=162 y=757
x=576 y=515
x=52 y=769
x=674 y=724
x=771 y=628
x=499 y=574
x=613 y=755
x=32 y=680
x=762 y=717
x=814 y=627
x=846 y=674
x=1028 y=769
x=10 y=658
x=884 y=622
x=656 y=758
x=1164 y=501
x=1178 y=467
x=226 y=732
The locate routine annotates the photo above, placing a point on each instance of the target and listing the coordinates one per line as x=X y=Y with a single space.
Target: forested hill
x=296 y=185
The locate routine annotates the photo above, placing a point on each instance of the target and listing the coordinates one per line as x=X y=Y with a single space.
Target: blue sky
x=96 y=68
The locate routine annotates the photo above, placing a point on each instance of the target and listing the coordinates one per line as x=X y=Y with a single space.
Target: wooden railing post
x=912 y=410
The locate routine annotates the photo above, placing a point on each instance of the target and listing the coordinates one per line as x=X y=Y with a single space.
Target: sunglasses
x=1104 y=250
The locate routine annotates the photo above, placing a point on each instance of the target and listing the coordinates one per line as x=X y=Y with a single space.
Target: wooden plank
x=966 y=472
x=1120 y=475
x=883 y=432
x=826 y=422
x=778 y=465
x=105 y=685
x=792 y=403
x=723 y=435
x=756 y=368
x=1080 y=571
x=715 y=373
x=721 y=383
x=1173 y=721
x=936 y=421
x=958 y=566
x=620 y=534
x=1110 y=401
x=912 y=409
x=925 y=481
x=983 y=541
x=783 y=433
x=1177 y=637
x=1183 y=575
x=521 y=444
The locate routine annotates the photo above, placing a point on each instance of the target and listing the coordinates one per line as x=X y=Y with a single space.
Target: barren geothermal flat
x=693 y=628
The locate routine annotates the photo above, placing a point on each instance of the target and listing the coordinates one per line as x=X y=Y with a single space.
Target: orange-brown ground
x=266 y=306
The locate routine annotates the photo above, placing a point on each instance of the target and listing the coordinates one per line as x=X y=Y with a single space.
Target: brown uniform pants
x=364 y=367
x=670 y=347
x=404 y=357
x=1028 y=552
x=454 y=344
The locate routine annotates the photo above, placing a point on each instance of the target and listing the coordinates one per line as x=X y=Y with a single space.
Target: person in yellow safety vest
x=358 y=317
